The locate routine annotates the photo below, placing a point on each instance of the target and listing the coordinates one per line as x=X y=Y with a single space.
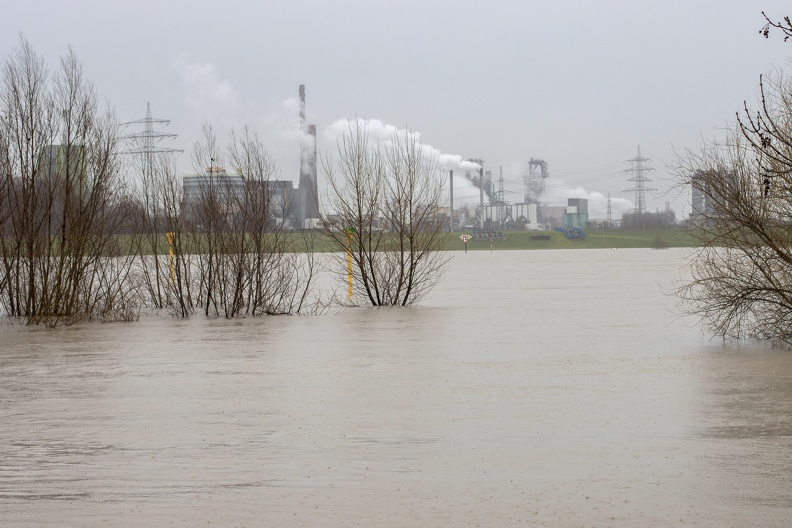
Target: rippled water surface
x=544 y=388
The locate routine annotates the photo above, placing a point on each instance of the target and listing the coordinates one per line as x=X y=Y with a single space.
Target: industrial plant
x=495 y=213
x=297 y=207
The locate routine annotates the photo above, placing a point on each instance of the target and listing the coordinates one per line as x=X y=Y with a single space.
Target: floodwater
x=544 y=388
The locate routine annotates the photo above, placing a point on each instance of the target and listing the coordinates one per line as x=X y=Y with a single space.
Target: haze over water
x=543 y=388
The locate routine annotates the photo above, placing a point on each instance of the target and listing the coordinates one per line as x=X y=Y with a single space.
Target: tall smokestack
x=308 y=187
x=302 y=107
x=303 y=168
x=481 y=194
x=302 y=187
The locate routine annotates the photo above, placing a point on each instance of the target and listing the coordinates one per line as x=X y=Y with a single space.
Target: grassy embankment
x=614 y=238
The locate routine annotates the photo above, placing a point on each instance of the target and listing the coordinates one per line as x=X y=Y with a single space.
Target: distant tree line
x=658 y=220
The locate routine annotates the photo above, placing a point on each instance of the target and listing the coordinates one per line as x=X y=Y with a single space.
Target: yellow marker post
x=169 y=236
x=350 y=231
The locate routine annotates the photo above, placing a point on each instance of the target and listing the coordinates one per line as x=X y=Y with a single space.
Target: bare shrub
x=742 y=273
x=230 y=257
x=59 y=194
x=382 y=212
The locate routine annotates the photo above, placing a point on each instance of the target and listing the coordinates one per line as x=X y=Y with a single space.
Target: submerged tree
x=61 y=197
x=227 y=254
x=742 y=214
x=382 y=213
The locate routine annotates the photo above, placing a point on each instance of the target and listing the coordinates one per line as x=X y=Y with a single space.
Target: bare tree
x=278 y=267
x=61 y=196
x=383 y=212
x=226 y=252
x=742 y=214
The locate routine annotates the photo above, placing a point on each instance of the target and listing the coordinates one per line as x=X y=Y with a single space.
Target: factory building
x=215 y=180
x=226 y=190
x=553 y=215
x=710 y=191
x=576 y=214
x=282 y=196
x=292 y=208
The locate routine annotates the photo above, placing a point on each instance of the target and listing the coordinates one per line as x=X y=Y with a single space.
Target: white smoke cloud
x=557 y=193
x=290 y=126
x=465 y=193
x=455 y=162
x=282 y=134
x=383 y=134
x=209 y=96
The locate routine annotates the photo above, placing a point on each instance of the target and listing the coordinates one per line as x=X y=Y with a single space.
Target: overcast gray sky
x=579 y=84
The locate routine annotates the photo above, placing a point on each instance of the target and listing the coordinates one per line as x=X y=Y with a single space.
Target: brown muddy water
x=544 y=388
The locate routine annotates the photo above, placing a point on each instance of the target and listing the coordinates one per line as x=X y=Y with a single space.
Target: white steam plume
x=205 y=92
x=383 y=134
x=558 y=192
